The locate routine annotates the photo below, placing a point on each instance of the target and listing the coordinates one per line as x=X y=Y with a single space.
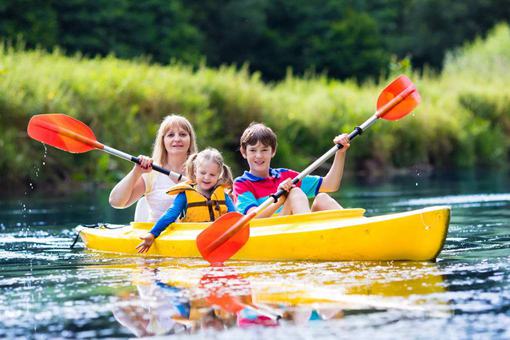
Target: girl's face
x=207 y=174
x=177 y=140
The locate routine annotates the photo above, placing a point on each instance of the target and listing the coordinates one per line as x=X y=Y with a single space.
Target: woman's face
x=177 y=140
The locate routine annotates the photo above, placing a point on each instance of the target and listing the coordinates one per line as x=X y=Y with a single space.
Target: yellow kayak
x=335 y=235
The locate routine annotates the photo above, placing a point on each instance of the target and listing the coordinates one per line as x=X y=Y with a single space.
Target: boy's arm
x=269 y=211
x=331 y=182
x=246 y=201
x=170 y=216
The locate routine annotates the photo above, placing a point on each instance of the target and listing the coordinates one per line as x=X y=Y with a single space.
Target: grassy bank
x=463 y=120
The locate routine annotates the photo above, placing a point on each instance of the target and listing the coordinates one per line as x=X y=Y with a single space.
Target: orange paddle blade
x=404 y=87
x=225 y=289
x=216 y=231
x=62 y=132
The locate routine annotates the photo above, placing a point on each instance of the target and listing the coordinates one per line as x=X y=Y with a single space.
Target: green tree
x=31 y=20
x=347 y=38
x=428 y=28
x=349 y=47
x=157 y=28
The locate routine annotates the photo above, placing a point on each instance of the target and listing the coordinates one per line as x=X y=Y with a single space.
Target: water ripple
x=465 y=200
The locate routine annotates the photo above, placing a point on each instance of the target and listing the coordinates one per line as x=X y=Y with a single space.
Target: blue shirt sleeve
x=245 y=201
x=171 y=215
x=229 y=203
x=311 y=185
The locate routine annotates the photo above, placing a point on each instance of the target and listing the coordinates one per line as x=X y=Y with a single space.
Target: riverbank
x=462 y=122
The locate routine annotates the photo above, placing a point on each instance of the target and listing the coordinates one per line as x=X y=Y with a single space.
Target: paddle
x=228 y=290
x=224 y=237
x=71 y=135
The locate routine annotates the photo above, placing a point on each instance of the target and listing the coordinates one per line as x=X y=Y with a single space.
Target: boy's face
x=258 y=157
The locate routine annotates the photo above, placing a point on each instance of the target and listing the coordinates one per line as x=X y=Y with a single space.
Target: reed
x=463 y=120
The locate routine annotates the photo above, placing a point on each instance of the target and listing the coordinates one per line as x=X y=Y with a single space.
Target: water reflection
x=221 y=300
x=49 y=291
x=167 y=299
x=153 y=309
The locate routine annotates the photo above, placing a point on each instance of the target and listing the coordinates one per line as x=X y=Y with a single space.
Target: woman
x=174 y=142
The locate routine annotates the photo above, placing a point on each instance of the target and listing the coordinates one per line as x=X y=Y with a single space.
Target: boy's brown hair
x=258 y=132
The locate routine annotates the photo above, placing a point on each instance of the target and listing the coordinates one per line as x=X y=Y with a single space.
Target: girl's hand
x=148 y=240
x=145 y=164
x=343 y=140
x=286 y=185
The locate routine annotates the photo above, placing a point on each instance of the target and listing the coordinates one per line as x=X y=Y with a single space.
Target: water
x=48 y=290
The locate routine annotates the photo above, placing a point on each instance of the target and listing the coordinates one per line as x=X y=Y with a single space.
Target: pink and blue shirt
x=251 y=191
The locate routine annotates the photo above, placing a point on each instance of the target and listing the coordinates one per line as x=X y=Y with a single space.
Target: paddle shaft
x=94 y=143
x=136 y=160
x=274 y=198
x=356 y=132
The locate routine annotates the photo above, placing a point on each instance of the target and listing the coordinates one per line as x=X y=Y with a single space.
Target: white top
x=158 y=201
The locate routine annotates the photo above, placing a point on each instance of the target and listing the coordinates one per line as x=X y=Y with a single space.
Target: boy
x=258 y=146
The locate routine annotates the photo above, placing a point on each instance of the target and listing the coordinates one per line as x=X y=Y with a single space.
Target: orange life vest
x=201 y=208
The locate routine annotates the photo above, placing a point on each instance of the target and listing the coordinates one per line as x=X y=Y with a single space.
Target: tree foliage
x=462 y=121
x=345 y=39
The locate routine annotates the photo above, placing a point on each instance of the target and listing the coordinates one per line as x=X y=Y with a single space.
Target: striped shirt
x=251 y=191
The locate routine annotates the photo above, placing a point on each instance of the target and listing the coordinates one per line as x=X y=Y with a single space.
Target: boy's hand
x=148 y=240
x=343 y=140
x=286 y=185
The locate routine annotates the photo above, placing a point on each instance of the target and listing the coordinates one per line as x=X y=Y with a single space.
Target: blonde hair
x=159 y=154
x=212 y=155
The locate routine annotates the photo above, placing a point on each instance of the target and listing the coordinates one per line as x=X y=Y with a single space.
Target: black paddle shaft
x=158 y=168
x=356 y=132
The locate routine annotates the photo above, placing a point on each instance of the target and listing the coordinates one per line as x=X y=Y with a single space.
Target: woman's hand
x=343 y=140
x=145 y=164
x=148 y=240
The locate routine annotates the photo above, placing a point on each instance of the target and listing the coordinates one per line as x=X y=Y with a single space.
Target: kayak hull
x=337 y=235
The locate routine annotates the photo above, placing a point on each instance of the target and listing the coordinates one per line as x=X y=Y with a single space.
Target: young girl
x=174 y=142
x=201 y=199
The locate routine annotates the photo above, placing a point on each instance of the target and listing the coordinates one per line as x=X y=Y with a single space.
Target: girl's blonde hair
x=212 y=155
x=159 y=154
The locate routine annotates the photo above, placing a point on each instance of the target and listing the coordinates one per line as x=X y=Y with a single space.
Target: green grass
x=463 y=120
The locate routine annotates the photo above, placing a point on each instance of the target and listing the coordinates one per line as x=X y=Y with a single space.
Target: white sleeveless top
x=156 y=187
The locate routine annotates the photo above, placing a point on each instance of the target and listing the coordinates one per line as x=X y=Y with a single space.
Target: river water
x=48 y=290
